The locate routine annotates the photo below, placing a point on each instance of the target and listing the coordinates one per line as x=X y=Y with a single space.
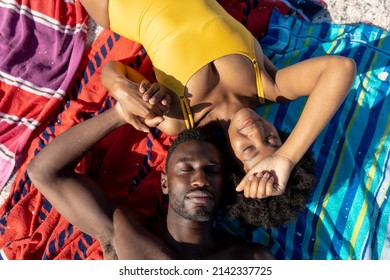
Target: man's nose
x=199 y=178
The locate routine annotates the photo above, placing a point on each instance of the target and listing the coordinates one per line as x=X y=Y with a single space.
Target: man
x=194 y=181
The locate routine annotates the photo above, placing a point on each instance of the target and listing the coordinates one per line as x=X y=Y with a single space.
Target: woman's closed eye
x=249 y=153
x=248 y=149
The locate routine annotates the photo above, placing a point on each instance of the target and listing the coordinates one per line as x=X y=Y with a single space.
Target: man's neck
x=189 y=239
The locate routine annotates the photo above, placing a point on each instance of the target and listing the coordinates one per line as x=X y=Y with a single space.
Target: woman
x=217 y=71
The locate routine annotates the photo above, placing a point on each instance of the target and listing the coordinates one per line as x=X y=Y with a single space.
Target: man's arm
x=133 y=240
x=82 y=202
x=75 y=196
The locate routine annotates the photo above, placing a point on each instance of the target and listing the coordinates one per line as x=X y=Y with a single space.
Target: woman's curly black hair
x=275 y=211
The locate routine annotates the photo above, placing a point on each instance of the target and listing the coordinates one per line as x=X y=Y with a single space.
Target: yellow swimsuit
x=182 y=36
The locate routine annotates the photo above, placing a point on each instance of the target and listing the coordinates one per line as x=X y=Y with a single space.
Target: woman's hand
x=267 y=178
x=142 y=105
x=156 y=93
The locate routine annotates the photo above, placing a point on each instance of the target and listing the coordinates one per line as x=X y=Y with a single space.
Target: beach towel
x=255 y=14
x=347 y=216
x=126 y=164
x=42 y=43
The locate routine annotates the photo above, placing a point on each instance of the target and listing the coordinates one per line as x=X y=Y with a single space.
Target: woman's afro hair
x=274 y=211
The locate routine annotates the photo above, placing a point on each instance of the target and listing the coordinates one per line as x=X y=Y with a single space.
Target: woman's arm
x=75 y=196
x=98 y=10
x=326 y=80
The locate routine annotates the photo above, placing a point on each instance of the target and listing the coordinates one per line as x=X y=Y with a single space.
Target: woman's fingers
x=259 y=186
x=157 y=94
x=269 y=187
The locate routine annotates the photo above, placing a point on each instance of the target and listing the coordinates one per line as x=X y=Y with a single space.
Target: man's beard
x=198 y=215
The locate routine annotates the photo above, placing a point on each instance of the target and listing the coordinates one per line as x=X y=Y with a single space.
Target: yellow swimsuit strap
x=186 y=109
x=259 y=84
x=188 y=118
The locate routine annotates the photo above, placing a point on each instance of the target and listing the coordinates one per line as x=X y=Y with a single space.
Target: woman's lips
x=249 y=122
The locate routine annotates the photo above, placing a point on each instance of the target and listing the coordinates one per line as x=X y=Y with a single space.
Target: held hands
x=143 y=105
x=267 y=178
x=155 y=93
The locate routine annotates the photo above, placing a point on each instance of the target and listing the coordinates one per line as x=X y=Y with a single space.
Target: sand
x=374 y=12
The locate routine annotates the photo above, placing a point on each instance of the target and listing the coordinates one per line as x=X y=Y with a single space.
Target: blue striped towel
x=347 y=216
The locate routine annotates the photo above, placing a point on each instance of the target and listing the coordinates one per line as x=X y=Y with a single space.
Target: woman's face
x=252 y=138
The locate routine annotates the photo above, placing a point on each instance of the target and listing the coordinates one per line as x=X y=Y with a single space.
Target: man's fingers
x=159 y=95
x=154 y=122
x=139 y=125
x=163 y=109
x=166 y=100
x=152 y=93
x=143 y=87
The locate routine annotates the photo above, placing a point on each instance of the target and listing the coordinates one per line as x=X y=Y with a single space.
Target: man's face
x=194 y=180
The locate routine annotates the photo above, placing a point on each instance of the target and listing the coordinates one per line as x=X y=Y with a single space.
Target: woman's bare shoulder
x=98 y=10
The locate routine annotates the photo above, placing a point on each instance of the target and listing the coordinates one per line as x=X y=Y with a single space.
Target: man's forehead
x=192 y=144
x=195 y=148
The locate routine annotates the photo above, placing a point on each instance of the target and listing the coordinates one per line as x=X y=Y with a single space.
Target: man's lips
x=200 y=194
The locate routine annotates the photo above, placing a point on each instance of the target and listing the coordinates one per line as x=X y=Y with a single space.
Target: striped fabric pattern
x=30 y=227
x=348 y=213
x=41 y=46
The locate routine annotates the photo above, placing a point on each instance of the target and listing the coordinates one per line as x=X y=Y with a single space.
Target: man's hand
x=267 y=178
x=142 y=105
x=137 y=122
